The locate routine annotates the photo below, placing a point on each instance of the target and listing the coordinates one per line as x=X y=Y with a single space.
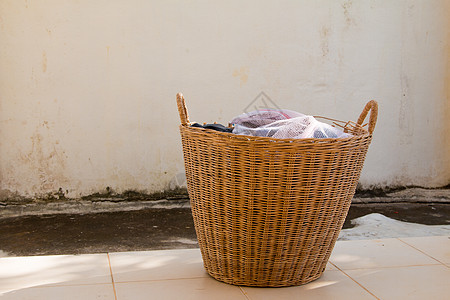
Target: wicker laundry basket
x=267 y=212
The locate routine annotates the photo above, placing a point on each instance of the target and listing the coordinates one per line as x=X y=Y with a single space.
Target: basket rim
x=229 y=135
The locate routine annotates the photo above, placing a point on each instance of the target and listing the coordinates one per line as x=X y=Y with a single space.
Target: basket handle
x=371 y=106
x=182 y=109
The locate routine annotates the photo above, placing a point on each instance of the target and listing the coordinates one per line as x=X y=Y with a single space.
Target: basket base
x=265 y=283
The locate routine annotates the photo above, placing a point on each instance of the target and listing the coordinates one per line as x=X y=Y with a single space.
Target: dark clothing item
x=217 y=127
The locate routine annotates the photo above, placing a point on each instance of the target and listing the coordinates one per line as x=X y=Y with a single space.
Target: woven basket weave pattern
x=268 y=212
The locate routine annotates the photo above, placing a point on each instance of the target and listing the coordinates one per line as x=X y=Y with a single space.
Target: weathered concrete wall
x=88 y=87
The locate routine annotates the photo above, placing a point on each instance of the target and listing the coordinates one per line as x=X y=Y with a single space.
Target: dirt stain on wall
x=44 y=62
x=406 y=113
x=107 y=53
x=324 y=34
x=446 y=109
x=46 y=160
x=349 y=20
x=242 y=74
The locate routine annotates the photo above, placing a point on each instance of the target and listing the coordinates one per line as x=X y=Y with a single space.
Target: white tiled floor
x=406 y=268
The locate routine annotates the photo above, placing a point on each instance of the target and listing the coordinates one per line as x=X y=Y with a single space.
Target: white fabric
x=263 y=117
x=293 y=128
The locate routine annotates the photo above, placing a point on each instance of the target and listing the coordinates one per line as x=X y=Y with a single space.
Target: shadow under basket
x=267 y=212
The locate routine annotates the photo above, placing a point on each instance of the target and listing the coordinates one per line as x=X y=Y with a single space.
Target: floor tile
x=74 y=292
x=332 y=285
x=418 y=282
x=196 y=288
x=157 y=265
x=437 y=247
x=376 y=254
x=22 y=272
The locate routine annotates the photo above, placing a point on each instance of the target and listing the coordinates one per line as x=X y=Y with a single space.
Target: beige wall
x=88 y=87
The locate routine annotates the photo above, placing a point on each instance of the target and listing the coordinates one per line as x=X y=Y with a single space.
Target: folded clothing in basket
x=217 y=127
x=284 y=124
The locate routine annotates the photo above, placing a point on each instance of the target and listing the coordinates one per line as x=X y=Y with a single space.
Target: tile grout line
x=243 y=292
x=423 y=252
x=389 y=267
x=50 y=285
x=363 y=287
x=112 y=276
x=157 y=280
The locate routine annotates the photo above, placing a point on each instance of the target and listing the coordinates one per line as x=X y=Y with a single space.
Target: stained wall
x=87 y=88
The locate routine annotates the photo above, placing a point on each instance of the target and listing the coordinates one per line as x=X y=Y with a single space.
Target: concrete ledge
x=106 y=204
x=410 y=195
x=86 y=207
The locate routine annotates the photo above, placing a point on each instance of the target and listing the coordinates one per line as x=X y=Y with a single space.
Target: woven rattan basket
x=267 y=212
